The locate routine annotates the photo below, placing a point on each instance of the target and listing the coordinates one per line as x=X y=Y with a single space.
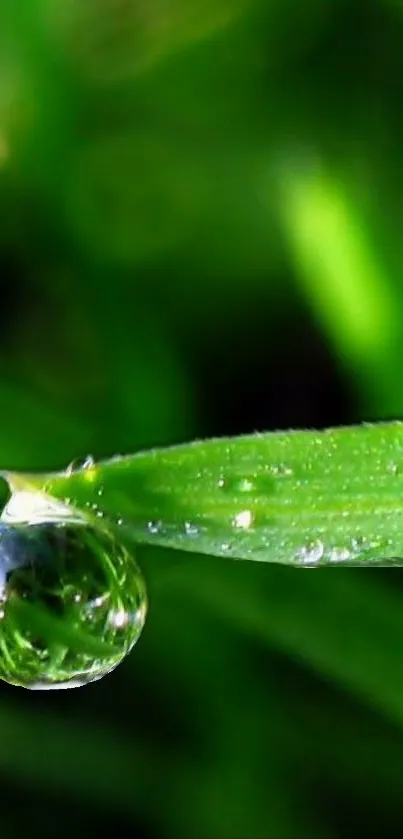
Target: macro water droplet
x=358 y=543
x=72 y=599
x=154 y=527
x=80 y=463
x=393 y=468
x=245 y=485
x=243 y=519
x=311 y=553
x=191 y=529
x=339 y=554
x=235 y=484
x=281 y=470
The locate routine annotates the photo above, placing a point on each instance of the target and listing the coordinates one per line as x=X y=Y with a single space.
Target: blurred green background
x=201 y=208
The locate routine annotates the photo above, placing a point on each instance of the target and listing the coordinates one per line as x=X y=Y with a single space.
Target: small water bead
x=281 y=470
x=154 y=527
x=241 y=485
x=311 y=553
x=393 y=468
x=81 y=463
x=73 y=600
x=358 y=544
x=243 y=520
x=245 y=485
x=235 y=484
x=339 y=555
x=191 y=529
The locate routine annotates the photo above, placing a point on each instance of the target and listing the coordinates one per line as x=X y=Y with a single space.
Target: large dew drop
x=72 y=598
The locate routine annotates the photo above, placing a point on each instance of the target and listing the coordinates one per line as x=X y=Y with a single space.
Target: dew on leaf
x=235 y=484
x=281 y=470
x=154 y=527
x=358 y=543
x=191 y=529
x=73 y=600
x=243 y=519
x=339 y=554
x=311 y=553
x=80 y=463
x=393 y=468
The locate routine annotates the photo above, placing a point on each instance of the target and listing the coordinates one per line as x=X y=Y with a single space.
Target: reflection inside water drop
x=72 y=598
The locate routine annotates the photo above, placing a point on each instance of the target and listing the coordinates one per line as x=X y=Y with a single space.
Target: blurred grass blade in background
x=302 y=498
x=344 y=280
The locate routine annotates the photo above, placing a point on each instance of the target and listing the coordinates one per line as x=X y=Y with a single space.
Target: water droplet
x=154 y=527
x=311 y=553
x=80 y=463
x=36 y=507
x=245 y=485
x=119 y=522
x=357 y=543
x=281 y=470
x=339 y=554
x=100 y=491
x=73 y=600
x=234 y=484
x=243 y=519
x=191 y=529
x=393 y=468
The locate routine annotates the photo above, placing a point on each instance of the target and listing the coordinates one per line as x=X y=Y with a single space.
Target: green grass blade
x=302 y=498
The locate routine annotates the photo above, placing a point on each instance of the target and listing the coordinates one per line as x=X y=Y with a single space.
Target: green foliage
x=299 y=498
x=200 y=235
